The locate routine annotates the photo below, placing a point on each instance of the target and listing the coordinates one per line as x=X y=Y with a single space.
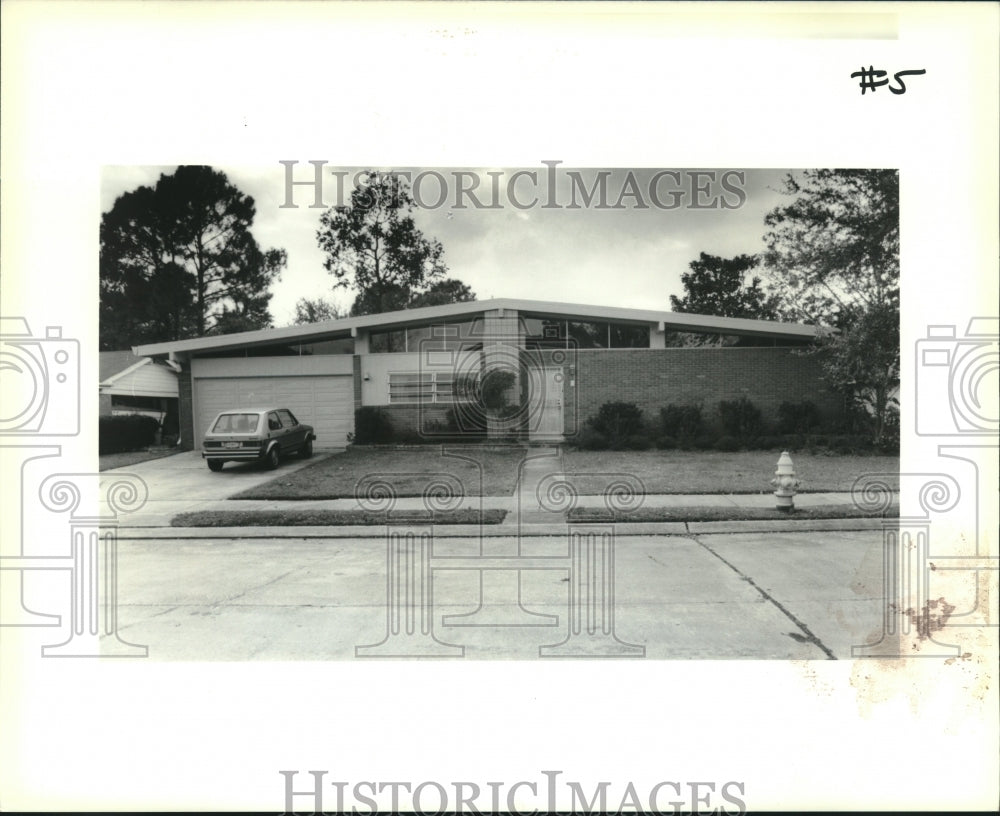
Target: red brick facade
x=654 y=378
x=186 y=409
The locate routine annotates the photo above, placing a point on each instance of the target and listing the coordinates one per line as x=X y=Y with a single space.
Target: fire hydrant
x=785 y=483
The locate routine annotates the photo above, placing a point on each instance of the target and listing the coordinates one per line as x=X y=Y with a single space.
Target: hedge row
x=120 y=434
x=623 y=426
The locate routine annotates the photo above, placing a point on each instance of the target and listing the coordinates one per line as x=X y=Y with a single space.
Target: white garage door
x=325 y=401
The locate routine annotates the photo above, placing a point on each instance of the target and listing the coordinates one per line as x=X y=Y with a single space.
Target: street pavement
x=753 y=595
x=530 y=589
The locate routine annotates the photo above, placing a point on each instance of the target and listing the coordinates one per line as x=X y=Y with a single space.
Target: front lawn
x=328 y=518
x=409 y=472
x=662 y=514
x=711 y=472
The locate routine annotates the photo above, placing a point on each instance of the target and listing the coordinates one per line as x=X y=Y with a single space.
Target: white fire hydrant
x=785 y=483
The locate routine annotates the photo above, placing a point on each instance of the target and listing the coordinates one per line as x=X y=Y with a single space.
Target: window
x=288 y=418
x=542 y=332
x=235 y=423
x=625 y=335
x=454 y=335
x=423 y=388
x=588 y=335
x=325 y=345
x=387 y=341
x=273 y=423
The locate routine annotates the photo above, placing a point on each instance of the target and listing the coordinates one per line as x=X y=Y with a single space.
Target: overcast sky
x=629 y=256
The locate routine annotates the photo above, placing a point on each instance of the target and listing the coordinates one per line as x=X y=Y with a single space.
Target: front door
x=548 y=424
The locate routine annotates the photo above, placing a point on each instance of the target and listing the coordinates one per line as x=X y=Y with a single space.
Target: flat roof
x=670 y=321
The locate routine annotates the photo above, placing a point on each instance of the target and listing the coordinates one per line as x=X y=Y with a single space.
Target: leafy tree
x=395 y=298
x=373 y=245
x=834 y=254
x=836 y=245
x=386 y=298
x=718 y=286
x=179 y=260
x=441 y=292
x=862 y=360
x=314 y=311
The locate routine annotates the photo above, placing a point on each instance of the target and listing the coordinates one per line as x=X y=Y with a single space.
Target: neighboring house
x=132 y=384
x=567 y=360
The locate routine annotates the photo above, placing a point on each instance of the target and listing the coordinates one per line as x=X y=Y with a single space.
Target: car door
x=276 y=430
x=295 y=432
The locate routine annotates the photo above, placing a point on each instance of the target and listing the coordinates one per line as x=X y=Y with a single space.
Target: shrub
x=741 y=418
x=681 y=421
x=119 y=434
x=638 y=442
x=372 y=426
x=494 y=389
x=727 y=443
x=666 y=443
x=792 y=442
x=617 y=421
x=587 y=438
x=798 y=417
x=703 y=442
x=772 y=443
x=850 y=443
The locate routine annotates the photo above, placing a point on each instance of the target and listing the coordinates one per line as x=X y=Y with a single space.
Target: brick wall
x=357 y=382
x=653 y=378
x=186 y=409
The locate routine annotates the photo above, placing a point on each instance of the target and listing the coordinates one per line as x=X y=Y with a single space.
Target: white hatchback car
x=256 y=435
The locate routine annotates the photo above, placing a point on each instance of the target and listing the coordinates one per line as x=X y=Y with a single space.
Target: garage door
x=325 y=401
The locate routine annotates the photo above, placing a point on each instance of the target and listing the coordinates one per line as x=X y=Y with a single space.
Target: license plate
x=230 y=444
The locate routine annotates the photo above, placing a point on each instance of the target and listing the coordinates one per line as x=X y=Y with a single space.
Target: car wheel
x=215 y=465
x=272 y=458
x=307 y=449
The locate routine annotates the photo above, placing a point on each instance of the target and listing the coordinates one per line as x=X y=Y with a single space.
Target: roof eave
x=675 y=321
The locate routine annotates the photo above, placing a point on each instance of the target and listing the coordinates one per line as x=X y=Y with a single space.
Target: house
x=135 y=384
x=564 y=362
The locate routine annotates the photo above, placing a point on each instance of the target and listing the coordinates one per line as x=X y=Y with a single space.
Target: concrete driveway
x=183 y=482
x=751 y=595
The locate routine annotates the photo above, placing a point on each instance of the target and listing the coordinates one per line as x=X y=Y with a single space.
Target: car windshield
x=236 y=423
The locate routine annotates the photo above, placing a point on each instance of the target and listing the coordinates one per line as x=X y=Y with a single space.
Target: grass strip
x=658 y=514
x=329 y=518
